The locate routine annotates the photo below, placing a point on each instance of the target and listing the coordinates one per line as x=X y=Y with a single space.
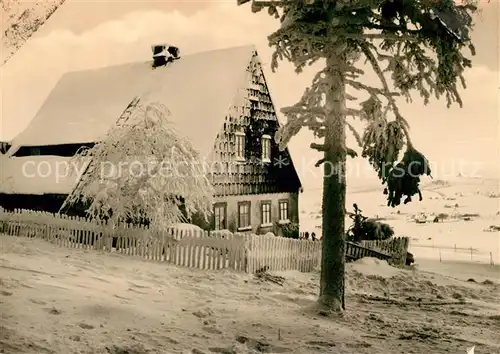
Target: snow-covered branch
x=386 y=92
x=144 y=170
x=369 y=89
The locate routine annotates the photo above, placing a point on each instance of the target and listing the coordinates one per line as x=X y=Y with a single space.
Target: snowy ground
x=56 y=300
x=471 y=207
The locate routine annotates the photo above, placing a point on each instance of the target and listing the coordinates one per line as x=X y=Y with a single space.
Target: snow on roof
x=198 y=90
x=37 y=175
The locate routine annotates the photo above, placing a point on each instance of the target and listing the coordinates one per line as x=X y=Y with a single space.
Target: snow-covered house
x=219 y=99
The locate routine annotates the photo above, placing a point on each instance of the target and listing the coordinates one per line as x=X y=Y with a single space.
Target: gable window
x=244 y=215
x=220 y=216
x=283 y=207
x=266 y=148
x=240 y=146
x=265 y=213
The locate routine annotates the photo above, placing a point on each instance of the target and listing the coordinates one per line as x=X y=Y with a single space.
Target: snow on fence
x=189 y=247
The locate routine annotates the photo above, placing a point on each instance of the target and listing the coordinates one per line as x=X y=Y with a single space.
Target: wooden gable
x=252 y=114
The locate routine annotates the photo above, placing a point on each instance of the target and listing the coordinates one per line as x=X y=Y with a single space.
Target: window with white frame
x=265 y=211
x=220 y=215
x=243 y=215
x=240 y=146
x=283 y=208
x=266 y=148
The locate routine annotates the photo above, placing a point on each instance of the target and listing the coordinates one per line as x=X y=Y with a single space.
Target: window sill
x=246 y=228
x=284 y=222
x=266 y=160
x=240 y=159
x=267 y=225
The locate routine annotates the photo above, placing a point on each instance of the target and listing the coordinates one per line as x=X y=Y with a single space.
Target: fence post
x=246 y=255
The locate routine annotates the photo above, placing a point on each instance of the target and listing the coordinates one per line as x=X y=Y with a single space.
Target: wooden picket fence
x=189 y=247
x=280 y=253
x=180 y=246
x=397 y=247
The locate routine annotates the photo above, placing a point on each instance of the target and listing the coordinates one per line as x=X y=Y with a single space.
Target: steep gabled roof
x=198 y=89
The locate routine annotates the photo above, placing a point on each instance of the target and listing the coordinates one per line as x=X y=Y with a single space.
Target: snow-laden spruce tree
x=412 y=46
x=143 y=170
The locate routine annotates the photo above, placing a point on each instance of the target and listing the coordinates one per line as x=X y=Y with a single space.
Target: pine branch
x=387 y=36
x=350 y=97
x=303 y=109
x=371 y=90
x=391 y=28
x=319 y=162
x=355 y=113
x=318 y=147
x=386 y=92
x=356 y=134
x=351 y=153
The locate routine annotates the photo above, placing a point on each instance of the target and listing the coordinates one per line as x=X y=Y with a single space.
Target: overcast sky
x=88 y=34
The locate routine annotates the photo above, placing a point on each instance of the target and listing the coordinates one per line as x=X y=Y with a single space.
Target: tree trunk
x=334 y=191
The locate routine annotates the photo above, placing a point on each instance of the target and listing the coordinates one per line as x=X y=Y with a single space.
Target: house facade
x=218 y=99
